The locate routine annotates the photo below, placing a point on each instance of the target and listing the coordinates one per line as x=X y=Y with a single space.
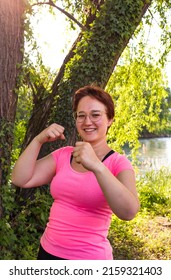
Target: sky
x=55 y=39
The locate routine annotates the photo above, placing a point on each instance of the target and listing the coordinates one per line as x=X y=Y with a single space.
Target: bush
x=154 y=191
x=22 y=226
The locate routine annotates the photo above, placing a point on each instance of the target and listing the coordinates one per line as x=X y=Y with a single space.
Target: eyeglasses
x=94 y=116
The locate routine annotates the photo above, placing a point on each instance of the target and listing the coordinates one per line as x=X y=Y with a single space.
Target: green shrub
x=22 y=226
x=154 y=189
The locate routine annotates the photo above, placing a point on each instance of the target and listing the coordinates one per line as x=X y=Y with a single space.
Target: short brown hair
x=97 y=93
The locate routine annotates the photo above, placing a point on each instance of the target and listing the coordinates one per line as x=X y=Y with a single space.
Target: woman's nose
x=87 y=119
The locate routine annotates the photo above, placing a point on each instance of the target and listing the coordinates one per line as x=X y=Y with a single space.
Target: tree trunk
x=95 y=57
x=11 y=55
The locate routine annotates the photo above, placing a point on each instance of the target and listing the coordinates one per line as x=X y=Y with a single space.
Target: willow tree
x=11 y=55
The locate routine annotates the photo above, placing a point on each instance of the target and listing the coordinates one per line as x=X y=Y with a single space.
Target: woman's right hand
x=51 y=133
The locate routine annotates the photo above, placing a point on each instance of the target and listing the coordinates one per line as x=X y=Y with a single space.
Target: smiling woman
x=99 y=182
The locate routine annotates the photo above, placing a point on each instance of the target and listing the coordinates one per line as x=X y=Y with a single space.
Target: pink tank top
x=80 y=215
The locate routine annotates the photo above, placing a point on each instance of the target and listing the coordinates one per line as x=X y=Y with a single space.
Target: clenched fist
x=84 y=153
x=51 y=133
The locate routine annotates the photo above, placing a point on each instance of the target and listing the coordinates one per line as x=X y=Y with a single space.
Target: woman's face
x=92 y=121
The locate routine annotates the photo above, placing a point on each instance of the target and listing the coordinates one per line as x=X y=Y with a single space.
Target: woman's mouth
x=89 y=129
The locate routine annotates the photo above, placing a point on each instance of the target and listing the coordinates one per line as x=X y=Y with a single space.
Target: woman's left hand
x=83 y=153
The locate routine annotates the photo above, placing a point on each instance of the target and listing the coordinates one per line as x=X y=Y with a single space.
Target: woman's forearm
x=123 y=202
x=24 y=167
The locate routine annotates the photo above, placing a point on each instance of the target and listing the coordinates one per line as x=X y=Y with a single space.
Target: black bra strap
x=108 y=154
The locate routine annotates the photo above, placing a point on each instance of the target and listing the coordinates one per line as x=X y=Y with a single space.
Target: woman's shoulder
x=118 y=162
x=62 y=150
x=121 y=158
x=117 y=155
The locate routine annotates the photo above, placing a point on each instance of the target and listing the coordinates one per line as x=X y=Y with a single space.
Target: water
x=154 y=154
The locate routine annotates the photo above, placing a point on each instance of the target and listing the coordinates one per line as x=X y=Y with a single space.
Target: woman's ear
x=110 y=122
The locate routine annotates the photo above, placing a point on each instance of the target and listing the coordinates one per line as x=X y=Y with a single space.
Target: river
x=154 y=153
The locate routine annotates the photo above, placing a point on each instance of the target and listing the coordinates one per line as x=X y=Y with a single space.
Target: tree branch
x=152 y=17
x=52 y=4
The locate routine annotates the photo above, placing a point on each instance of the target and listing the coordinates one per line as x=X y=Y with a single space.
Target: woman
x=88 y=182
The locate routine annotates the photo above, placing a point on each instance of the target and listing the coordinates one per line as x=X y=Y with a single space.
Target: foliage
x=21 y=226
x=154 y=189
x=144 y=238
x=138 y=90
x=36 y=81
x=6 y=133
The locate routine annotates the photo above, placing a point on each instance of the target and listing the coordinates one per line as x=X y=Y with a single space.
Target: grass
x=148 y=235
x=144 y=238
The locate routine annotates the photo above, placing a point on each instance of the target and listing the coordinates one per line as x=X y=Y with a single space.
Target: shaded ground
x=144 y=238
